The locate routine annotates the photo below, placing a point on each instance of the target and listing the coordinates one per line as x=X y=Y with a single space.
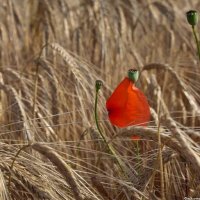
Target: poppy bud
x=98 y=85
x=133 y=75
x=192 y=17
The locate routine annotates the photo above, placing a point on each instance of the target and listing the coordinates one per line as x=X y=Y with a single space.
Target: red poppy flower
x=128 y=106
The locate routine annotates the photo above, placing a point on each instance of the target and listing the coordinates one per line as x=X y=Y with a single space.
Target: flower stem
x=109 y=147
x=96 y=116
x=196 y=40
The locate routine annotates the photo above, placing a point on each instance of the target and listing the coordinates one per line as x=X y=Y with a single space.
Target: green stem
x=196 y=40
x=110 y=148
x=96 y=117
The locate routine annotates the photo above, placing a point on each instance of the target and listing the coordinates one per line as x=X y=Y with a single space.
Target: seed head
x=192 y=17
x=133 y=75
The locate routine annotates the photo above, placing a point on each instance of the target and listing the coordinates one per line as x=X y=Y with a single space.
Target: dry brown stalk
x=196 y=193
x=151 y=134
x=24 y=181
x=4 y=194
x=193 y=134
x=100 y=188
x=179 y=144
x=193 y=103
x=186 y=152
x=62 y=167
x=9 y=90
x=152 y=167
x=113 y=35
x=14 y=159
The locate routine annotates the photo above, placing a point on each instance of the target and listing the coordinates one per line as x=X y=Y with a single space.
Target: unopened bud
x=98 y=85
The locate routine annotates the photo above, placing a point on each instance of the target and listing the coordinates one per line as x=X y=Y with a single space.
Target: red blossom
x=128 y=106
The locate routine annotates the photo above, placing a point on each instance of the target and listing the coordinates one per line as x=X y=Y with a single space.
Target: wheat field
x=51 y=54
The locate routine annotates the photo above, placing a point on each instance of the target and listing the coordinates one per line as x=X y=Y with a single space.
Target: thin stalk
x=110 y=148
x=34 y=106
x=138 y=151
x=14 y=159
x=96 y=117
x=160 y=146
x=159 y=157
x=36 y=81
x=196 y=40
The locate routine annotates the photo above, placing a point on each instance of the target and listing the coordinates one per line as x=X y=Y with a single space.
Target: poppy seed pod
x=133 y=75
x=98 y=85
x=192 y=17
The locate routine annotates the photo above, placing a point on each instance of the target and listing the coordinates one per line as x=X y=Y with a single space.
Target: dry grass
x=51 y=54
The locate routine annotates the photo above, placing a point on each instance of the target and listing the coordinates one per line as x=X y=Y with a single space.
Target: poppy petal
x=137 y=110
x=116 y=104
x=135 y=137
x=127 y=105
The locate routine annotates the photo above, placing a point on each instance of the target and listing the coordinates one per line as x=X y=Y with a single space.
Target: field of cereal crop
x=51 y=54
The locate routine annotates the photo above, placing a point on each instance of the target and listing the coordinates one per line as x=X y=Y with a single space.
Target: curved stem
x=96 y=117
x=110 y=148
x=196 y=40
